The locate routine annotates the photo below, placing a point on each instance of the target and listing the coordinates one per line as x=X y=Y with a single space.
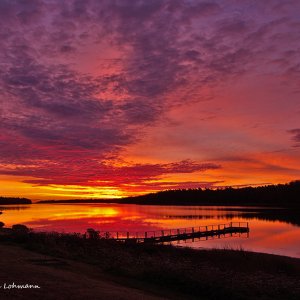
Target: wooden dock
x=170 y=235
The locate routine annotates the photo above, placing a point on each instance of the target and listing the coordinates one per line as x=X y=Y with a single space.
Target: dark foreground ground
x=60 y=279
x=69 y=267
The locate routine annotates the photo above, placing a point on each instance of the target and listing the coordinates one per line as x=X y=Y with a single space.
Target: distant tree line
x=269 y=195
x=282 y=195
x=13 y=200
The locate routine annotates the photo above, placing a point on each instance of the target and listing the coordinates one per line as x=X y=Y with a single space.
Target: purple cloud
x=80 y=81
x=295 y=136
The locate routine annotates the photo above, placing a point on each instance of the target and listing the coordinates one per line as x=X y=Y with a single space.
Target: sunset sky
x=117 y=98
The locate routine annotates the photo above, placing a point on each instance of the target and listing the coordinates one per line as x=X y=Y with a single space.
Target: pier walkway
x=169 y=235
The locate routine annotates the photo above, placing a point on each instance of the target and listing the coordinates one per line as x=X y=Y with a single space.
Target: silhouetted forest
x=12 y=200
x=270 y=195
x=281 y=195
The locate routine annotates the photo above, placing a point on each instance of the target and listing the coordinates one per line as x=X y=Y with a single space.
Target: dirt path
x=58 y=279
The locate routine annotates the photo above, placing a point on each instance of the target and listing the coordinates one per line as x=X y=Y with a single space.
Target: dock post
x=193 y=230
x=128 y=235
x=117 y=235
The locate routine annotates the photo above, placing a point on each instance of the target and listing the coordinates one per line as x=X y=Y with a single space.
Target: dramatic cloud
x=91 y=172
x=119 y=91
x=296 y=136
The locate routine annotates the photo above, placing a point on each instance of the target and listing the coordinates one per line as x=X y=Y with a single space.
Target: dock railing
x=169 y=234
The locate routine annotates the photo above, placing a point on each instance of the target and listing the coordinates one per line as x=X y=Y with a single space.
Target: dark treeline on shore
x=282 y=195
x=270 y=195
x=13 y=200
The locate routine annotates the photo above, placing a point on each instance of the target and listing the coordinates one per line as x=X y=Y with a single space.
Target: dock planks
x=169 y=235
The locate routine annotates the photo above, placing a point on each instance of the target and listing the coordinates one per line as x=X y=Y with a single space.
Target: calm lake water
x=274 y=231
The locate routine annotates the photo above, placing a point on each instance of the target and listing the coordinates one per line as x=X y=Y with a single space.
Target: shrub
x=19 y=228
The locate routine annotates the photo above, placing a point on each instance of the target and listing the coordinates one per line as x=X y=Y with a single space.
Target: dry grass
x=212 y=274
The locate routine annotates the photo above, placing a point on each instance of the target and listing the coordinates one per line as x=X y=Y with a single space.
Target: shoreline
x=8 y=231
x=195 y=274
x=241 y=205
x=267 y=195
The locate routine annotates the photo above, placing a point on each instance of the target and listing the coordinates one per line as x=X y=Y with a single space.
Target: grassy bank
x=205 y=274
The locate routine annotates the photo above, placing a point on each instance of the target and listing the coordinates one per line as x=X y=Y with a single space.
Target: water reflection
x=189 y=242
x=290 y=216
x=14 y=207
x=271 y=230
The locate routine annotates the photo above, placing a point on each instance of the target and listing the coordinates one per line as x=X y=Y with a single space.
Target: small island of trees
x=13 y=200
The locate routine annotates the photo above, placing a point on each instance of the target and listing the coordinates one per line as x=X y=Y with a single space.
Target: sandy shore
x=59 y=279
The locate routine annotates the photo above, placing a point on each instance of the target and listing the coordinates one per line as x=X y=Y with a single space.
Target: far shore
x=167 y=203
x=280 y=195
x=14 y=200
